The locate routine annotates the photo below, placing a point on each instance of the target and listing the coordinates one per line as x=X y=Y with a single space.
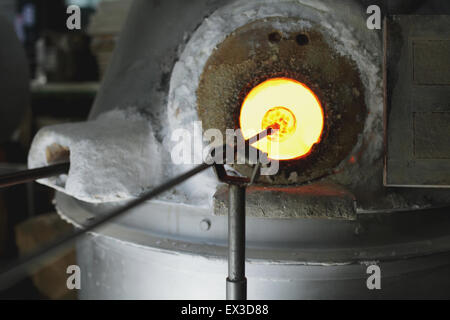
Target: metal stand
x=236 y=281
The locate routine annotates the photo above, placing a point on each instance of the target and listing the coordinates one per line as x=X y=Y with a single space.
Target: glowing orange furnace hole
x=293 y=108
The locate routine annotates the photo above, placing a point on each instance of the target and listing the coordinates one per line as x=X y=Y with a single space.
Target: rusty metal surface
x=259 y=51
x=322 y=200
x=417 y=95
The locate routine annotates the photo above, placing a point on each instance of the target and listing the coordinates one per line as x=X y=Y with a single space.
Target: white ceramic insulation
x=112 y=158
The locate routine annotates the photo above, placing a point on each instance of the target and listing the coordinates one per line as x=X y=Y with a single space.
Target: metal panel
x=417 y=95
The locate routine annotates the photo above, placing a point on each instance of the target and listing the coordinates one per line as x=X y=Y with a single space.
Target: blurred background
x=62 y=75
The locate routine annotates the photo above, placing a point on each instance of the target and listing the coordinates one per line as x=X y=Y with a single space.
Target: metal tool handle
x=236 y=281
x=24 y=176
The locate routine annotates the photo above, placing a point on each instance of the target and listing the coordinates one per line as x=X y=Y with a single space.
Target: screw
x=205 y=225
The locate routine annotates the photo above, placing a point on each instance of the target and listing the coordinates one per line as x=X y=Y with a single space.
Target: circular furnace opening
x=250 y=58
x=291 y=107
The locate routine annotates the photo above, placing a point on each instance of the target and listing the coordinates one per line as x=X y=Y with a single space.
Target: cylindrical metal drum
x=165 y=251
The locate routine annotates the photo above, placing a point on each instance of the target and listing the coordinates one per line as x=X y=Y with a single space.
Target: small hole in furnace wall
x=274 y=37
x=302 y=39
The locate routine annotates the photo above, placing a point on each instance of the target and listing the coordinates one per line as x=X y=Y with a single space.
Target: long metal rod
x=15 y=271
x=270 y=130
x=24 y=176
x=236 y=281
x=11 y=179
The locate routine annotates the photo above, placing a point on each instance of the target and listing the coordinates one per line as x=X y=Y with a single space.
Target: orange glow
x=293 y=108
x=283 y=119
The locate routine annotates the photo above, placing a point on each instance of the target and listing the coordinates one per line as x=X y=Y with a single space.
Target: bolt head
x=205 y=225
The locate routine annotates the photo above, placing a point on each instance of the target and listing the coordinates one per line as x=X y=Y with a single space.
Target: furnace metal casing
x=178 y=251
x=165 y=251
